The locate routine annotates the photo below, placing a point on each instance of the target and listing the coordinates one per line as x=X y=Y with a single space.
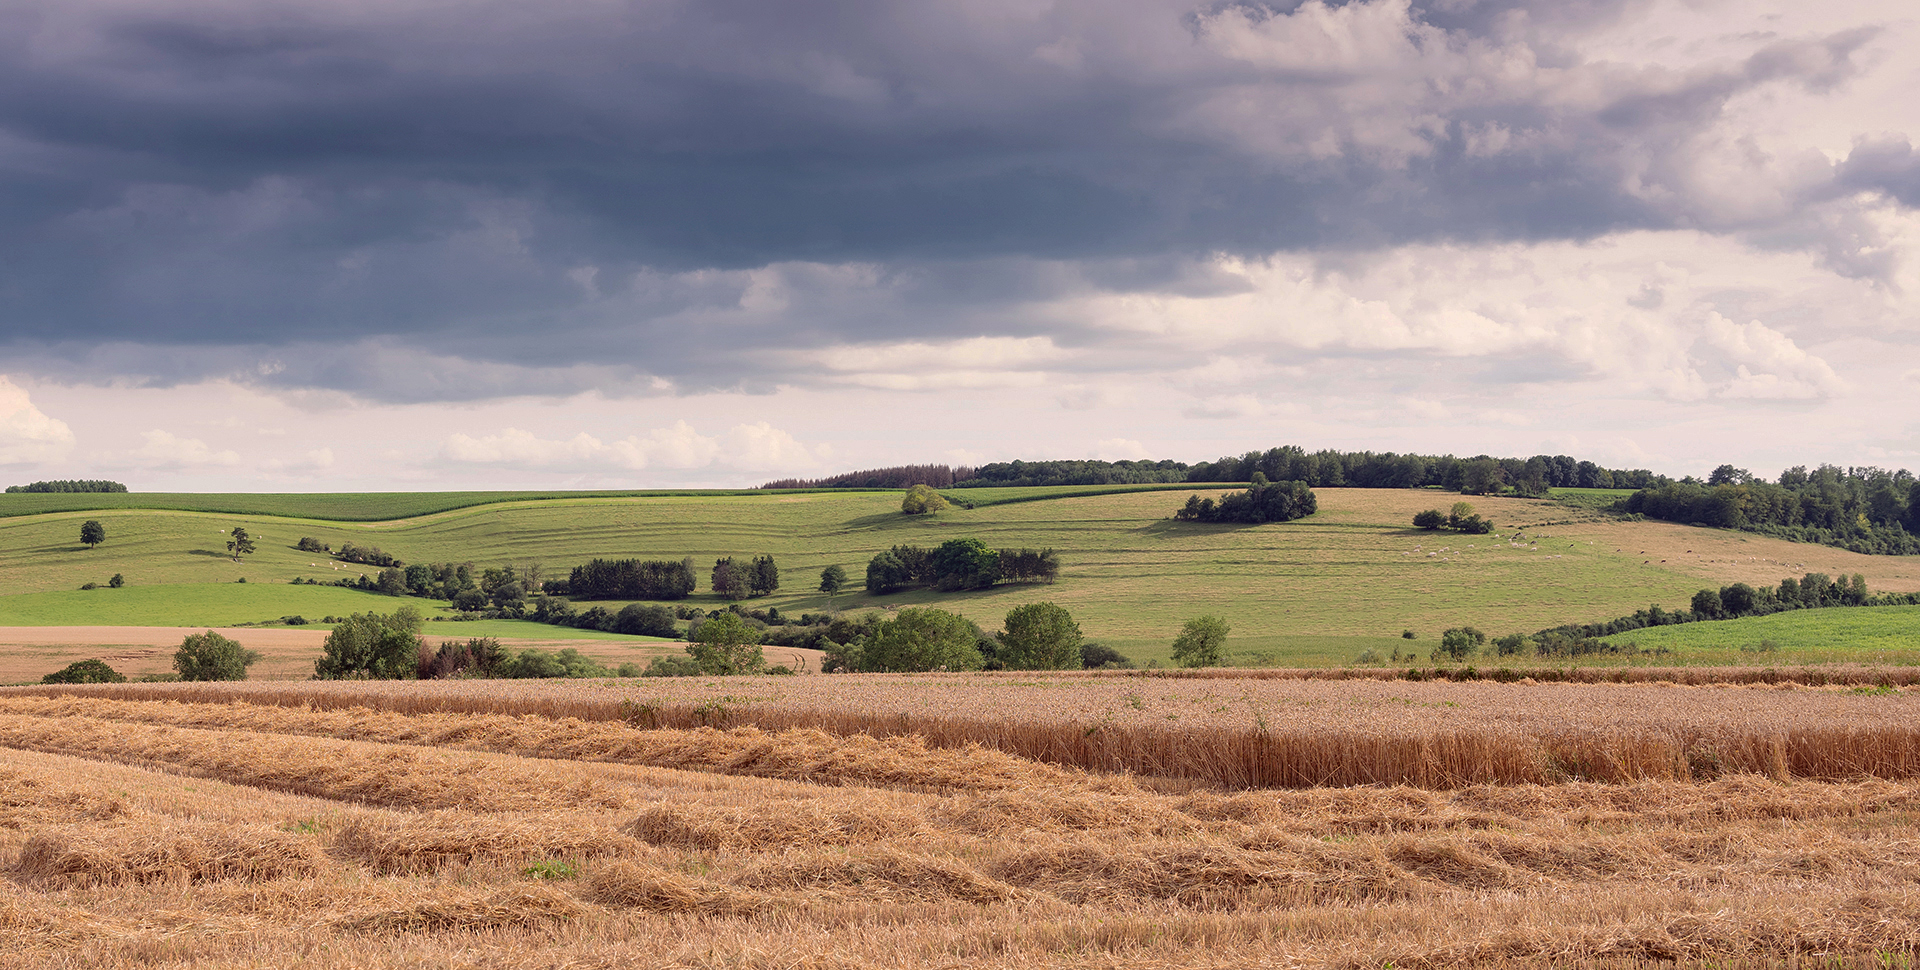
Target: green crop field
x=1320 y=590
x=334 y=506
x=1872 y=634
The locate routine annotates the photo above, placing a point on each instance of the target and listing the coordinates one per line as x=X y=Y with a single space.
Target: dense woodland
x=1868 y=510
x=1263 y=501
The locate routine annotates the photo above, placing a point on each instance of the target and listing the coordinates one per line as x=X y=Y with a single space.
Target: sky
x=293 y=245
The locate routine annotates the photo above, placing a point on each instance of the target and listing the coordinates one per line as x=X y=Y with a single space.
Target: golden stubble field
x=314 y=831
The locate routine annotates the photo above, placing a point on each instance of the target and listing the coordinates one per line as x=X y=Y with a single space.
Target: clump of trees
x=364 y=555
x=210 y=656
x=958 y=564
x=93 y=671
x=922 y=500
x=1039 y=636
x=632 y=579
x=68 y=485
x=737 y=580
x=1263 y=501
x=1462 y=519
x=726 y=644
x=898 y=476
x=92 y=533
x=310 y=544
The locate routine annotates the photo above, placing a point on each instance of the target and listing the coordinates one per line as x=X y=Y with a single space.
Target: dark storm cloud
x=579 y=187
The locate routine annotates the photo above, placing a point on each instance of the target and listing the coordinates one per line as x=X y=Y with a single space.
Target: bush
x=1461 y=641
x=1099 y=656
x=478 y=657
x=1406 y=634
x=117 y=581
x=86 y=586
x=210 y=656
x=85 y=672
x=1202 y=642
x=295 y=620
x=672 y=667
x=1430 y=519
x=310 y=544
x=629 y=669
x=646 y=621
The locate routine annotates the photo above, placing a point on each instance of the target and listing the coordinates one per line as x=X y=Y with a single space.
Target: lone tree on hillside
x=833 y=579
x=210 y=656
x=1202 y=642
x=92 y=533
x=921 y=500
x=239 y=543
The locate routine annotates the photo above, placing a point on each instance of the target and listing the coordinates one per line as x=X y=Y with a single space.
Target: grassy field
x=1321 y=590
x=139 y=834
x=1874 y=634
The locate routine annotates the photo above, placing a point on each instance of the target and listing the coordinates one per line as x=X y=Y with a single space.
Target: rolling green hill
x=1314 y=591
x=1872 y=634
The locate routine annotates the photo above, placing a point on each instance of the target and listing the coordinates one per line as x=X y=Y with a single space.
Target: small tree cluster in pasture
x=958 y=564
x=117 y=581
x=1462 y=519
x=630 y=579
x=310 y=544
x=85 y=672
x=365 y=555
x=922 y=500
x=1263 y=501
x=1202 y=642
x=92 y=533
x=737 y=580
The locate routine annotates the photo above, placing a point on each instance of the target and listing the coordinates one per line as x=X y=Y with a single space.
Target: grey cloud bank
x=1572 y=212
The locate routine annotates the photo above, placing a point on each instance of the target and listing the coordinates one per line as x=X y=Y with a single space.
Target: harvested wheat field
x=329 y=828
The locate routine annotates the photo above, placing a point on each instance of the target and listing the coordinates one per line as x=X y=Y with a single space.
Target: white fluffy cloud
x=754 y=446
x=164 y=450
x=26 y=434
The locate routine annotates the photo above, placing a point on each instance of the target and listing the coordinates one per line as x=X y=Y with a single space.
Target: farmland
x=1321 y=590
x=153 y=833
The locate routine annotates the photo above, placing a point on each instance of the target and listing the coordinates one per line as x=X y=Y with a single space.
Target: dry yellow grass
x=197 y=850
x=929 y=730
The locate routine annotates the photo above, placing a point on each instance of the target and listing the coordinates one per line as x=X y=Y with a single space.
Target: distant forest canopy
x=1868 y=510
x=71 y=485
x=1482 y=474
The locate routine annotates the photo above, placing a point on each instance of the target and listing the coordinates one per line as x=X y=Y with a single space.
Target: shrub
x=478 y=657
x=310 y=544
x=1461 y=641
x=647 y=621
x=210 y=656
x=629 y=669
x=89 y=586
x=295 y=620
x=672 y=667
x=1430 y=519
x=1406 y=634
x=117 y=581
x=1099 y=656
x=85 y=672
x=1202 y=642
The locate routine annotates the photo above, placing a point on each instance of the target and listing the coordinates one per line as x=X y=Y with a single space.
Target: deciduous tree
x=1040 y=636
x=210 y=656
x=1202 y=642
x=92 y=533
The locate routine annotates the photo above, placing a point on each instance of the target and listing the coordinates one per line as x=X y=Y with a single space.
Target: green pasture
x=186 y=605
x=1865 y=634
x=1320 y=590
